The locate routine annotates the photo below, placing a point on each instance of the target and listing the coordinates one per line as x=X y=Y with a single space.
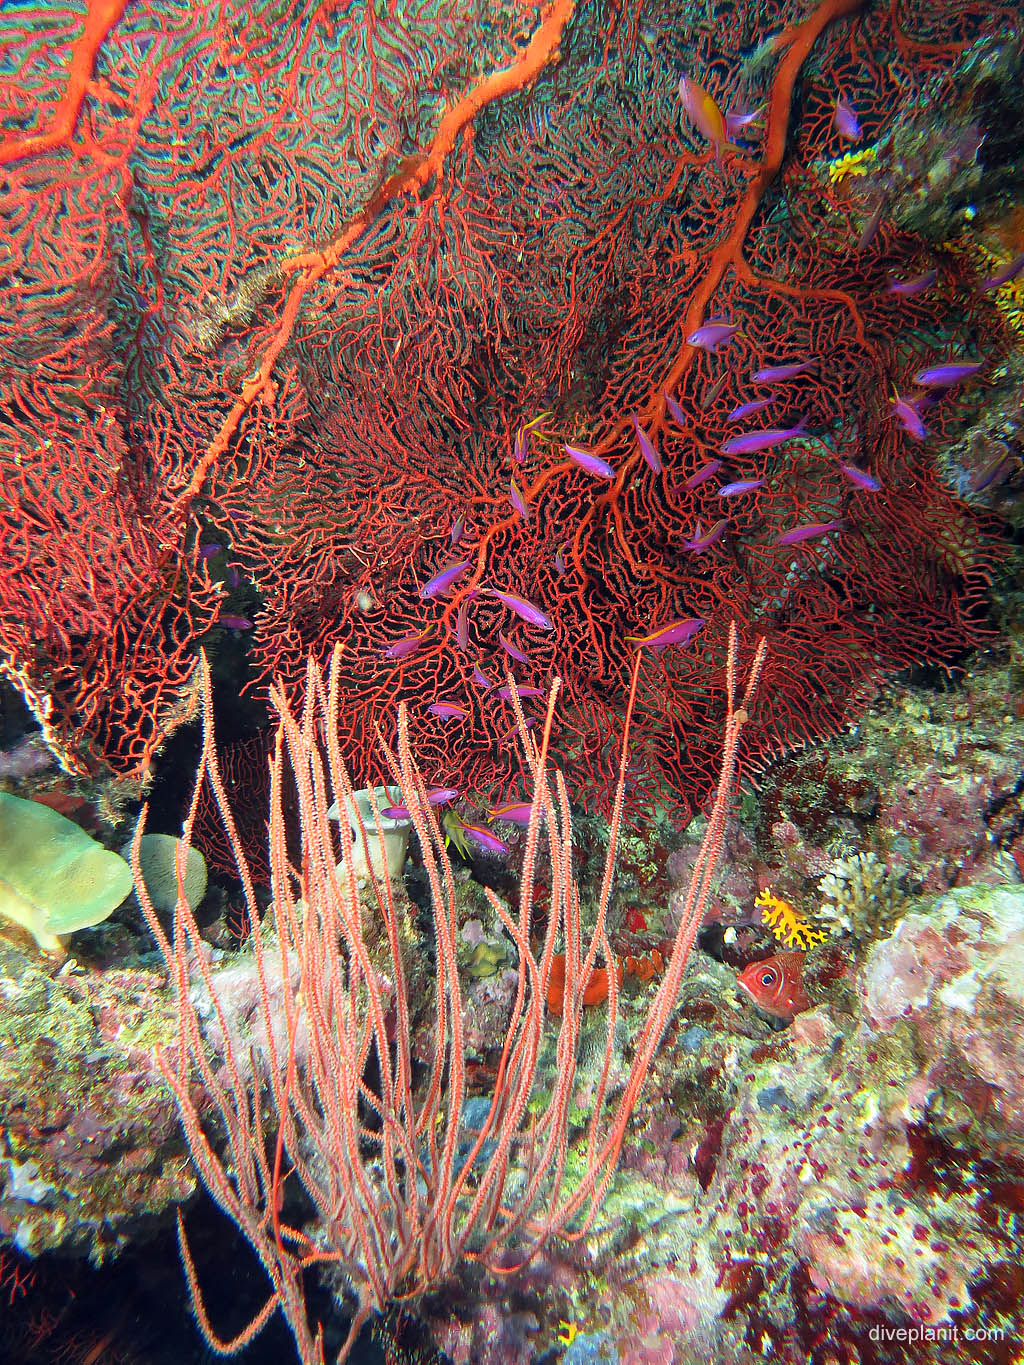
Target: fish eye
x=768 y=978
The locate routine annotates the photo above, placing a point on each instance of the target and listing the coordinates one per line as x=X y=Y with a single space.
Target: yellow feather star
x=786 y=923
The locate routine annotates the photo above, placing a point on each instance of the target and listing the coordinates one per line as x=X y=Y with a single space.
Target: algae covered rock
x=54 y=878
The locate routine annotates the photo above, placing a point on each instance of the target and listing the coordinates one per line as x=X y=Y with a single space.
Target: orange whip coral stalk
x=403 y=1200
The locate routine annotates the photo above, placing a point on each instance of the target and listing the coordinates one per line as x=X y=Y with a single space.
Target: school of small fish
x=775 y=985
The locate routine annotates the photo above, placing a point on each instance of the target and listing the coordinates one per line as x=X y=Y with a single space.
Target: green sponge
x=54 y=878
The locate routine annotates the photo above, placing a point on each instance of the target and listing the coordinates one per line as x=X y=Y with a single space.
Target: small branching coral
x=861 y=896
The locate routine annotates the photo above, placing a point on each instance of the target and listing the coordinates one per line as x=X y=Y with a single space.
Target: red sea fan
x=313 y=280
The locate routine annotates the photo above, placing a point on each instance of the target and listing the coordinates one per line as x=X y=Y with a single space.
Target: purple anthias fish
x=525 y=610
x=1009 y=272
x=753 y=441
x=448 y=710
x=441 y=582
x=807 y=532
x=519 y=503
x=871 y=227
x=209 y=550
x=861 y=478
x=678 y=415
x=560 y=561
x=458 y=529
x=737 y=120
x=440 y=796
x=484 y=838
x=462 y=624
x=517 y=812
x=505 y=693
x=519 y=446
x=994 y=472
x=590 y=463
x=748 y=409
x=234 y=622
x=732 y=490
x=716 y=388
x=908 y=288
x=531 y=722
x=944 y=376
x=513 y=650
x=846 y=122
x=480 y=678
x=646 y=445
x=703 y=541
x=776 y=374
x=707 y=470
x=675 y=633
x=909 y=417
x=409 y=644
x=712 y=334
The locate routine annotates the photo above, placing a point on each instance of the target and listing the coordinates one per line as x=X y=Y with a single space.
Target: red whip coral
x=306 y=284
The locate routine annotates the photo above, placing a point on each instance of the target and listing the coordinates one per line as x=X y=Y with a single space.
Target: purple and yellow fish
x=675 y=633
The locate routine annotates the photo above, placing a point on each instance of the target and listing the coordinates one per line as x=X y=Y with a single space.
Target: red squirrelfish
x=703 y=112
x=753 y=441
x=713 y=334
x=675 y=633
x=646 y=445
x=807 y=532
x=776 y=374
x=525 y=610
x=599 y=468
x=441 y=582
x=776 y=985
